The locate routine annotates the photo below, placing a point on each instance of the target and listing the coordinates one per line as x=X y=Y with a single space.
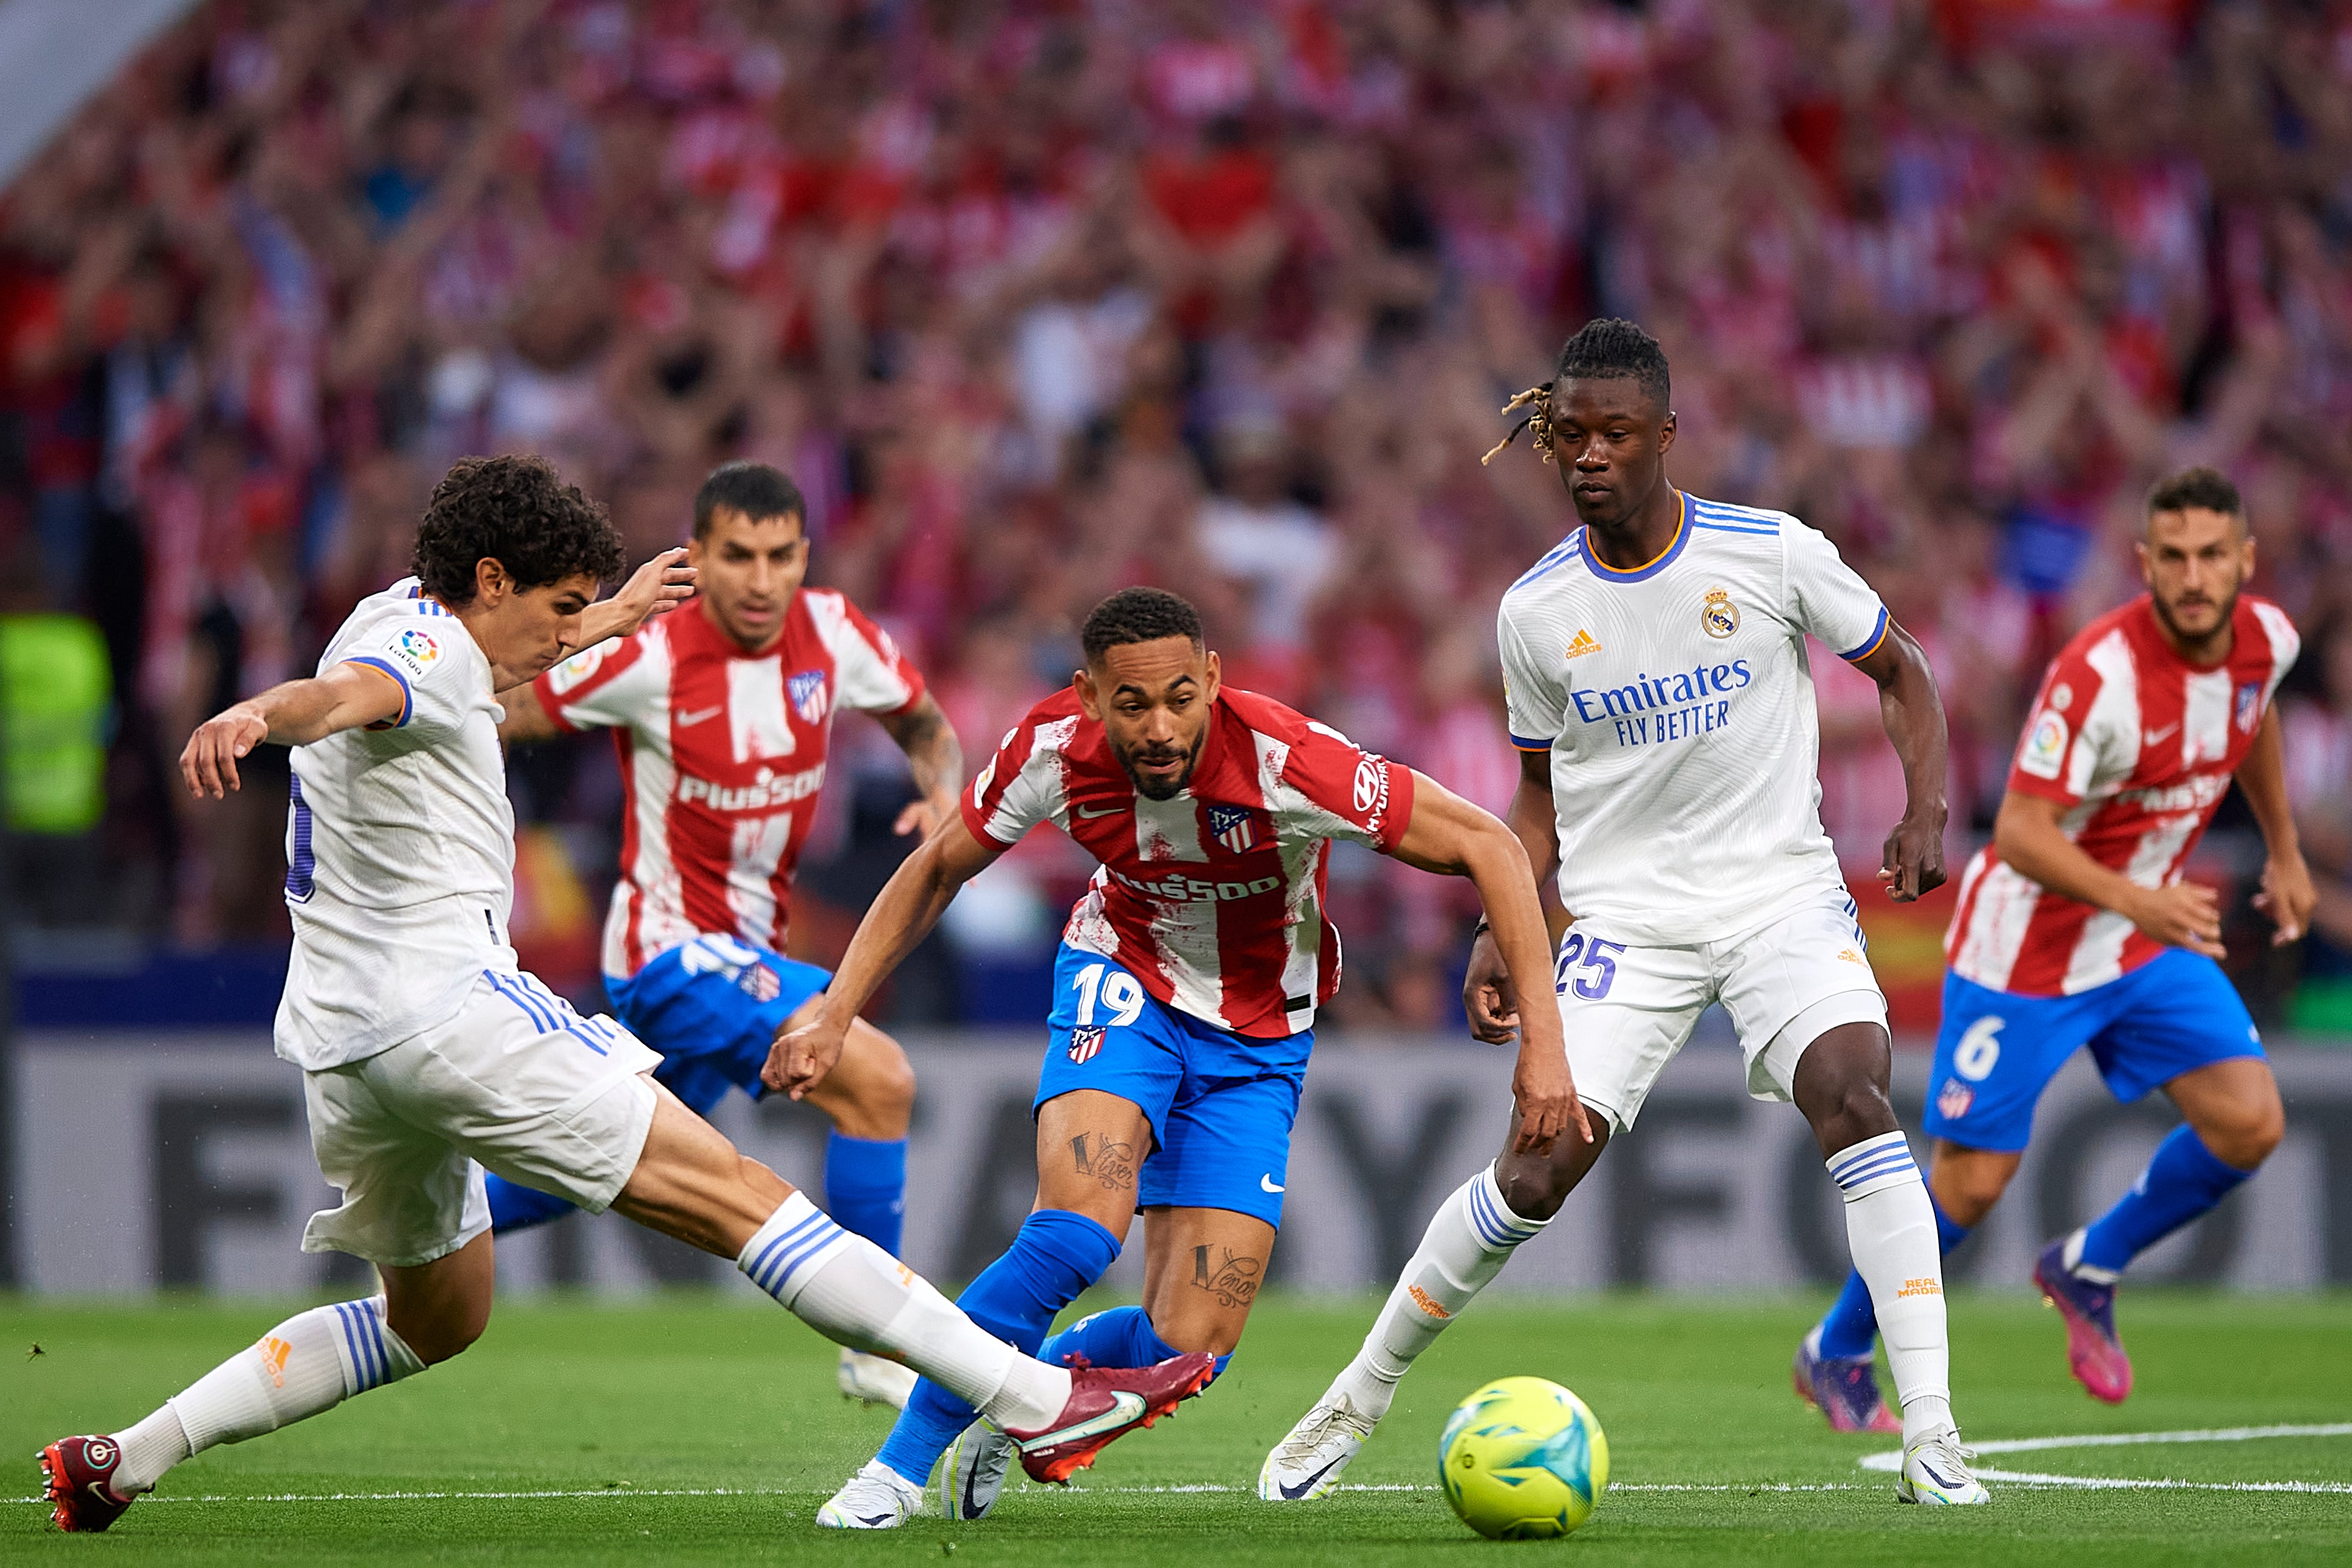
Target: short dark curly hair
x=1609 y=347
x=2208 y=489
x=1138 y=615
x=516 y=511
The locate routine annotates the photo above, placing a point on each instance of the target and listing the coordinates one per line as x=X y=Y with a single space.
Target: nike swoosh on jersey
x=1086 y=816
x=1126 y=1409
x=2155 y=736
x=697 y=715
x=1270 y=1184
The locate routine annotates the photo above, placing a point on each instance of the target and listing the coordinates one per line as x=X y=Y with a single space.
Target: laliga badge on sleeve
x=2045 y=748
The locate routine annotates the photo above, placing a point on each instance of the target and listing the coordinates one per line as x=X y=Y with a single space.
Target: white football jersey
x=399 y=843
x=1677 y=705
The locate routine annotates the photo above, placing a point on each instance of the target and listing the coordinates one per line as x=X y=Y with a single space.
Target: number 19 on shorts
x=1121 y=994
x=1587 y=966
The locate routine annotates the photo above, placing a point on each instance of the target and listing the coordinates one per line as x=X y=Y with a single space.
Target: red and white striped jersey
x=1213 y=899
x=722 y=753
x=2138 y=746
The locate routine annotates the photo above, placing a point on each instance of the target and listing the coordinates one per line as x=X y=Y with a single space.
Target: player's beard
x=1171 y=788
x=2229 y=608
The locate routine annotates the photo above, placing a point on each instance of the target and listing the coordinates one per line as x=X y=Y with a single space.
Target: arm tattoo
x=933 y=754
x=1231 y=1279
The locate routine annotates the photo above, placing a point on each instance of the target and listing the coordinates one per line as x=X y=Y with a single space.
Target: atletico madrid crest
x=1085 y=1041
x=808 y=695
x=1233 y=827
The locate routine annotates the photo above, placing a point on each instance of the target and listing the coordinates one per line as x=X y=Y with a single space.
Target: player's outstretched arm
x=294 y=714
x=1913 y=713
x=1487 y=998
x=934 y=758
x=901 y=915
x=2027 y=835
x=1449 y=836
x=2288 y=896
x=659 y=586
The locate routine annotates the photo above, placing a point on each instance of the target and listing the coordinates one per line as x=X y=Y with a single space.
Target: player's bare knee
x=892 y=1096
x=2243 y=1133
x=437 y=1335
x=1966 y=1191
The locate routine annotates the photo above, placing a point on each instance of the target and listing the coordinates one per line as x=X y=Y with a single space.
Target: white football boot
x=1310 y=1460
x=875 y=1380
x=973 y=1475
x=1935 y=1470
x=875 y=1498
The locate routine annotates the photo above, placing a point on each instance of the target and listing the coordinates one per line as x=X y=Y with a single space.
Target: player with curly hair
x=428 y=1054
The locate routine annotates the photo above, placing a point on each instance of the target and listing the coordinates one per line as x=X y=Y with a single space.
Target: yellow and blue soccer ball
x=1523 y=1459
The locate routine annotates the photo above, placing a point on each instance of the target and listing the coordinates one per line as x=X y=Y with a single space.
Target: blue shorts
x=1996 y=1050
x=1220 y=1104
x=712 y=1006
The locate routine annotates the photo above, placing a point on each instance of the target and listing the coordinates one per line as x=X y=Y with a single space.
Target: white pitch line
x=2132 y=1483
x=1892 y=1460
x=553 y=1494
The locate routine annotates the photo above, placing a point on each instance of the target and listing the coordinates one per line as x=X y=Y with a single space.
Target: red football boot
x=1107 y=1402
x=78 y=1470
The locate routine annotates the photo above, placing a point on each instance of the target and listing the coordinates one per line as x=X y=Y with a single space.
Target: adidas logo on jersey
x=1586 y=642
x=1851 y=957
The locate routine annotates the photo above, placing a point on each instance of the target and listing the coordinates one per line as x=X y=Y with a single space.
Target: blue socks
x=2182 y=1181
x=1851 y=1327
x=866 y=1187
x=517 y=1208
x=1057 y=1254
x=1118 y=1336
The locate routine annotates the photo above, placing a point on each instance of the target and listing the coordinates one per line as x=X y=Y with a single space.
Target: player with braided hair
x=1656 y=672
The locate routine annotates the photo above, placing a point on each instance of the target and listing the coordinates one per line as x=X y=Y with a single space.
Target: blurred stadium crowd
x=1038 y=299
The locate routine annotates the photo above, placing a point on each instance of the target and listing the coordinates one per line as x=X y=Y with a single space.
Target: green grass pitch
x=602 y=1417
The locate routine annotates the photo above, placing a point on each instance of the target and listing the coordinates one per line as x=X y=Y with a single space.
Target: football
x=1523 y=1459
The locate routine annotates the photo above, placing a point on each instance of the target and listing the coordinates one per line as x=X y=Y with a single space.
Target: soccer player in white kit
x=1656 y=668
x=428 y=1054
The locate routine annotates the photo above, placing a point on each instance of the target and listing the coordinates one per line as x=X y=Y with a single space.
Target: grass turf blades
x=615 y=1407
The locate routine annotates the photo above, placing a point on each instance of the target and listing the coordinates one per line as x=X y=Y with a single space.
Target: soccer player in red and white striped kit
x=2075 y=927
x=1185 y=1002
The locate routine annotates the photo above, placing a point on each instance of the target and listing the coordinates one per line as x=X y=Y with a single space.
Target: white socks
x=854 y=1293
x=1890 y=1225
x=309 y=1363
x=1470 y=1238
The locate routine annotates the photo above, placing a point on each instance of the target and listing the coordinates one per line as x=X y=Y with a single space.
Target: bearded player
x=1658 y=691
x=1185 y=1002
x=427 y=1054
x=2074 y=928
x=722 y=716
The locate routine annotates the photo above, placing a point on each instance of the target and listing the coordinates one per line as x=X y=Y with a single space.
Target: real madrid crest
x=1719 y=617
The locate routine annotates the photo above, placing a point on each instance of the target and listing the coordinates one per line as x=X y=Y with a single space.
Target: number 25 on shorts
x=1594 y=958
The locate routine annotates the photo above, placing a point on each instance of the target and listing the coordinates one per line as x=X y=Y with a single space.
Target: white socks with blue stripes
x=1890 y=1225
x=856 y=1294
x=312 y=1361
x=1470 y=1238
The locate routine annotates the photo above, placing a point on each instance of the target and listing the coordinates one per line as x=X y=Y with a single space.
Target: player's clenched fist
x=208 y=762
x=1486 y=995
x=802 y=1057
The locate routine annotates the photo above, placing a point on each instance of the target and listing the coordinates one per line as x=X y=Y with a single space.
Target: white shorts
x=1627 y=1009
x=517 y=1082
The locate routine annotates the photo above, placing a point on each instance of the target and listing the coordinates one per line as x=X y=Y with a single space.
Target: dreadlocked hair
x=1606 y=348
x=1537 y=401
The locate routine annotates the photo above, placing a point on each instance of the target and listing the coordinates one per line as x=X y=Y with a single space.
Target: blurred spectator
x=1037 y=298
